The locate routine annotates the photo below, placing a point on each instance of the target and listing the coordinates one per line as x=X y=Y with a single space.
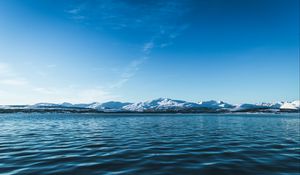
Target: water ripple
x=149 y=144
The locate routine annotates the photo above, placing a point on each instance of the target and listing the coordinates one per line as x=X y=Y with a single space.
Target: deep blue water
x=150 y=144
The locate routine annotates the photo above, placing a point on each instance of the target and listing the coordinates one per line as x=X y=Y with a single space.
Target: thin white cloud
x=106 y=14
x=154 y=17
x=73 y=11
x=129 y=72
x=148 y=47
x=162 y=39
x=76 y=13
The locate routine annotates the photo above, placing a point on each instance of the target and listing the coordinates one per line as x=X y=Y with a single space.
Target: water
x=149 y=144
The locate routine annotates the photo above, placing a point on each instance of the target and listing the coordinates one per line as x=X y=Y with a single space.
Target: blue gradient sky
x=130 y=50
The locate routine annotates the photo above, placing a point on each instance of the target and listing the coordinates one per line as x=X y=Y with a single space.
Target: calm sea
x=267 y=144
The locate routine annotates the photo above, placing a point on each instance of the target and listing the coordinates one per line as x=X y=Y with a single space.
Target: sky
x=132 y=50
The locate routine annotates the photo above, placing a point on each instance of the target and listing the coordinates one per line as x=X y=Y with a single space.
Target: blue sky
x=130 y=50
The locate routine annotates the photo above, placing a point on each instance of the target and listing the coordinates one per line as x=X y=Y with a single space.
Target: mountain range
x=156 y=106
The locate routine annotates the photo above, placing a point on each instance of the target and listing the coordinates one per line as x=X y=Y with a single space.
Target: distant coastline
x=160 y=105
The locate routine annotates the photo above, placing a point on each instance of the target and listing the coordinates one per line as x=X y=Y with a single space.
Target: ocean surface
x=237 y=144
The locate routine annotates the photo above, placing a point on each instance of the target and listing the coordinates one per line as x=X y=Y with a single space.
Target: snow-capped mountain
x=62 y=105
x=276 y=105
x=160 y=104
x=156 y=105
x=247 y=106
x=215 y=104
x=166 y=104
x=108 y=106
x=291 y=105
x=267 y=106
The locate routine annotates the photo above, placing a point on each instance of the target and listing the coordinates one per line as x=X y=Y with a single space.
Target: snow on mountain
x=215 y=104
x=165 y=105
x=82 y=105
x=296 y=103
x=247 y=106
x=161 y=104
x=114 y=105
x=291 y=105
x=65 y=104
x=271 y=105
x=93 y=105
x=54 y=105
x=109 y=106
x=257 y=106
x=268 y=106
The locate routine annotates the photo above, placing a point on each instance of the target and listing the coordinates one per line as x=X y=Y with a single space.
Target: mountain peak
x=165 y=105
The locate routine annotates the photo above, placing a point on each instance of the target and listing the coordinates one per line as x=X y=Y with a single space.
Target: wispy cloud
x=156 y=17
x=129 y=72
x=73 y=11
x=77 y=13
x=160 y=21
x=148 y=47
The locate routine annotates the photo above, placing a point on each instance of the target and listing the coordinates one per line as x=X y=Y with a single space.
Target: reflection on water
x=149 y=144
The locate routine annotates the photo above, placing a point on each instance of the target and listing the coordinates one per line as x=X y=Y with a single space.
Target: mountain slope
x=291 y=105
x=160 y=104
x=157 y=105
